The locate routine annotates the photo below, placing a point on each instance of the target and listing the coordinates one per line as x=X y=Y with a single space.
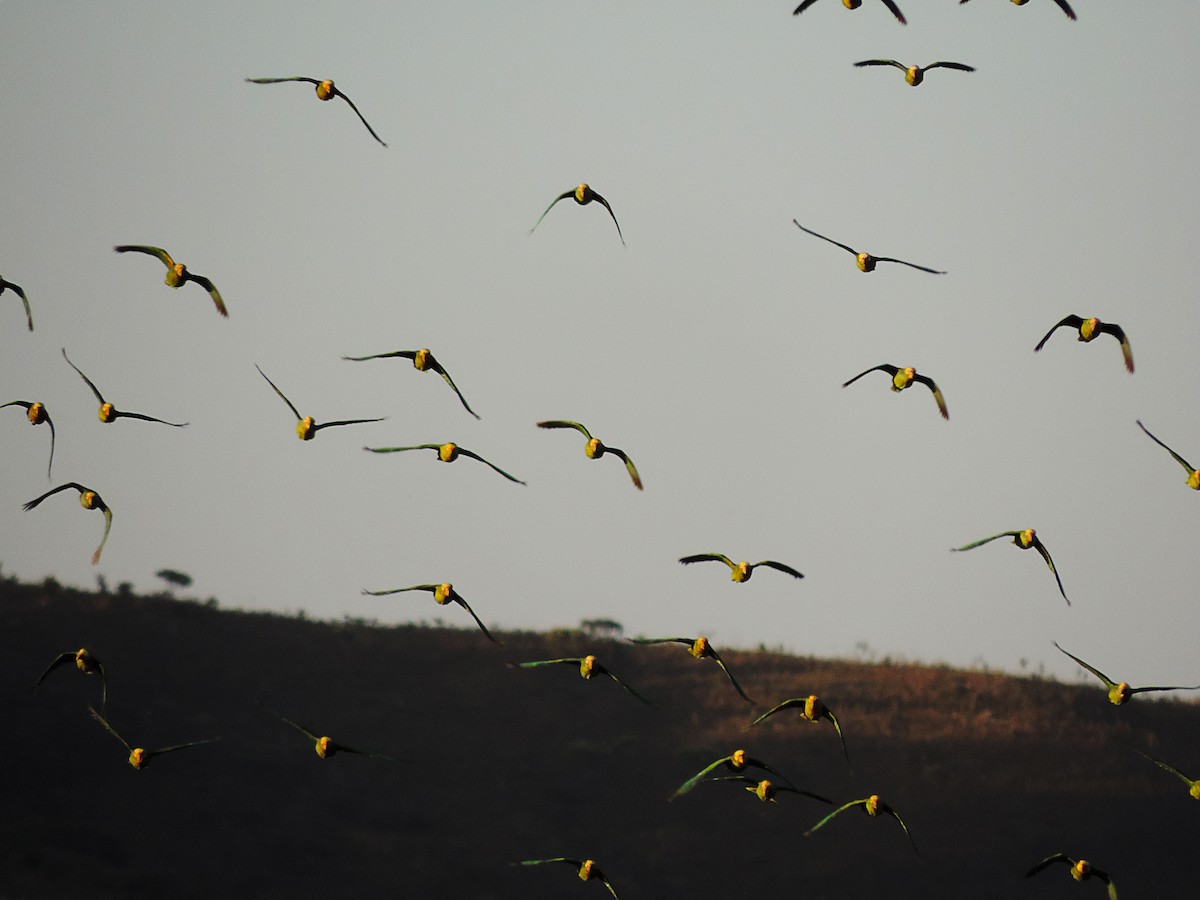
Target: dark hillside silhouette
x=496 y=764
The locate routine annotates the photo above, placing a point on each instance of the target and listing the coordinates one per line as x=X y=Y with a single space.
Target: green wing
x=463 y=603
x=1107 y=681
x=1041 y=548
x=415 y=587
x=573 y=660
x=629 y=466
x=698 y=777
x=883 y=62
x=469 y=453
x=402 y=449
x=295 y=411
x=103 y=721
x=278 y=80
x=107 y=529
x=163 y=256
x=841 y=809
x=87 y=381
x=704 y=557
x=720 y=662
x=563 y=423
x=994 y=537
x=1179 y=459
x=406 y=354
x=777 y=566
x=1158 y=762
x=563 y=196
x=786 y=704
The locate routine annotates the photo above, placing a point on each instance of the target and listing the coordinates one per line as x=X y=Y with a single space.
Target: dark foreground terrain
x=496 y=764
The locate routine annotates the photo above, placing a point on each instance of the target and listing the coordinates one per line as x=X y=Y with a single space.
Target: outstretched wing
x=786 y=704
x=563 y=196
x=802 y=7
x=1179 y=459
x=473 y=455
x=950 y=65
x=163 y=256
x=563 y=423
x=604 y=203
x=1053 y=857
x=62 y=487
x=1069 y=321
x=407 y=354
x=463 y=603
x=309 y=734
x=704 y=557
x=937 y=394
x=985 y=540
x=119 y=414
x=891 y=370
x=720 y=662
x=58 y=661
x=207 y=284
x=841 y=809
x=848 y=249
x=1158 y=762
x=603 y=670
x=1041 y=548
x=295 y=411
x=895 y=12
x=841 y=737
x=317 y=427
x=1119 y=333
x=882 y=62
x=16 y=289
x=437 y=367
x=161 y=750
x=360 y=115
x=107 y=529
x=416 y=587
x=313 y=81
x=87 y=381
x=778 y=566
x=1107 y=681
x=629 y=466
x=103 y=721
x=698 y=777
x=1062 y=4
x=902 y=262
x=402 y=449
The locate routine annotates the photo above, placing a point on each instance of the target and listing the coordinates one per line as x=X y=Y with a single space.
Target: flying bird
x=873 y=806
x=86 y=663
x=700 y=648
x=1062 y=4
x=306 y=426
x=1025 y=540
x=36 y=413
x=108 y=412
x=737 y=761
x=587 y=869
x=594 y=449
x=866 y=262
x=1193 y=479
x=740 y=571
x=855 y=4
x=422 y=361
x=88 y=499
x=1081 y=869
x=914 y=75
x=812 y=709
x=139 y=757
x=904 y=378
x=587 y=668
x=16 y=289
x=446 y=453
x=582 y=195
x=1089 y=330
x=766 y=789
x=325 y=91
x=1192 y=783
x=443 y=593
x=177 y=273
x=324 y=745
x=1122 y=693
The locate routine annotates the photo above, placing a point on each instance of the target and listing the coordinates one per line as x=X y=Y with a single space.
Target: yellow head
x=325 y=90
x=738 y=760
x=585 y=871
x=1082 y=869
x=743 y=571
x=176 y=275
x=903 y=378
x=866 y=262
x=108 y=412
x=421 y=359
x=322 y=747
x=583 y=194
x=586 y=666
x=443 y=592
x=872 y=805
x=1089 y=329
x=1194 y=790
x=1119 y=693
x=852 y=4
x=1194 y=480
x=36 y=414
x=304 y=428
x=88 y=499
x=138 y=758
x=594 y=449
x=699 y=648
x=914 y=75
x=813 y=708
x=82 y=659
x=448 y=452
x=1025 y=538
x=764 y=790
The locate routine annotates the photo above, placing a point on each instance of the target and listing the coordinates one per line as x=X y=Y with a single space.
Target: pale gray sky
x=1059 y=178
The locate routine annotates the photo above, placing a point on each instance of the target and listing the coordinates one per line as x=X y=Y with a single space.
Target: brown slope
x=495 y=764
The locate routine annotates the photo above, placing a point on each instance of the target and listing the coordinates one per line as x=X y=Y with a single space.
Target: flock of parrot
x=767 y=781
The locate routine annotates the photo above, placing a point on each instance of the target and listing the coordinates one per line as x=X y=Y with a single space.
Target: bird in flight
x=904 y=378
x=914 y=75
x=16 y=289
x=594 y=449
x=812 y=709
x=324 y=745
x=855 y=4
x=740 y=571
x=587 y=869
x=866 y=262
x=1062 y=4
x=700 y=648
x=1025 y=539
x=446 y=453
x=88 y=499
x=873 y=806
x=1089 y=330
x=1192 y=783
x=766 y=789
x=588 y=666
x=325 y=91
x=36 y=413
x=1081 y=870
x=443 y=593
x=177 y=273
x=306 y=426
x=139 y=757
x=737 y=761
x=108 y=412
x=1193 y=479
x=86 y=663
x=1121 y=693
x=422 y=361
x=582 y=195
